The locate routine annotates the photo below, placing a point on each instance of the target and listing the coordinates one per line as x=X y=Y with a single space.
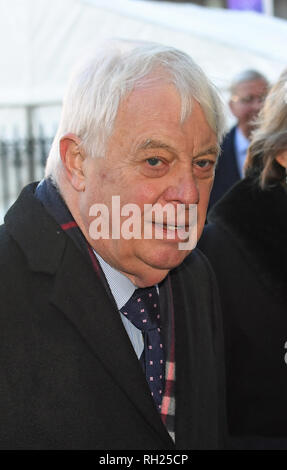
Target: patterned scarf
x=48 y=194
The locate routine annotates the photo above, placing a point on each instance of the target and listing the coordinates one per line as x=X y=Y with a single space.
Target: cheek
x=142 y=193
x=103 y=176
x=249 y=111
x=241 y=112
x=102 y=186
x=106 y=179
x=204 y=194
x=151 y=190
x=88 y=199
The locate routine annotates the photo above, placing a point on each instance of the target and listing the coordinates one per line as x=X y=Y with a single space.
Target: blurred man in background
x=248 y=91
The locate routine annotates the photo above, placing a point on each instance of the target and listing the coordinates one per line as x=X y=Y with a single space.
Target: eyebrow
x=214 y=150
x=155 y=144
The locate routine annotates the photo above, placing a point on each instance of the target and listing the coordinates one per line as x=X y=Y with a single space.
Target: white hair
x=98 y=86
x=246 y=76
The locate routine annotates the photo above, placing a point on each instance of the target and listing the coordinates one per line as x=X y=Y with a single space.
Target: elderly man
x=111 y=341
x=248 y=90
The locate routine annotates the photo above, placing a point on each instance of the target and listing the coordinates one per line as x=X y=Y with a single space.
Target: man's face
x=246 y=103
x=151 y=158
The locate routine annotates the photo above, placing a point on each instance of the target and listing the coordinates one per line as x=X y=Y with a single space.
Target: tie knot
x=142 y=309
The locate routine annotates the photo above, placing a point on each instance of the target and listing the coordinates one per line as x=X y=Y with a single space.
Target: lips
x=170 y=231
x=171 y=226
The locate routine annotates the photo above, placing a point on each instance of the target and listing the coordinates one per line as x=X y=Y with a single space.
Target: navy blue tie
x=142 y=310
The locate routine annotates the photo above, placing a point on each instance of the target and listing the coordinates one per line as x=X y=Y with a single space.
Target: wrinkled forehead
x=161 y=78
x=150 y=118
x=154 y=100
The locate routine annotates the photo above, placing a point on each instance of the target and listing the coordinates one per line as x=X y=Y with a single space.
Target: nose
x=256 y=105
x=183 y=189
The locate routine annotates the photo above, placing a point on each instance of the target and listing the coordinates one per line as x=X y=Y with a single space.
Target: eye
x=154 y=161
x=246 y=99
x=154 y=167
x=205 y=164
x=204 y=168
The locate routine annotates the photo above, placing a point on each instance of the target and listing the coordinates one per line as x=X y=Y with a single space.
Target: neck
x=147 y=278
x=246 y=131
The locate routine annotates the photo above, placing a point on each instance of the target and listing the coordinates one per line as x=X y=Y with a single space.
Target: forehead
x=252 y=87
x=156 y=112
x=151 y=102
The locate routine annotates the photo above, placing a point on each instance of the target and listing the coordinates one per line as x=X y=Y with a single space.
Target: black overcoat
x=226 y=172
x=69 y=376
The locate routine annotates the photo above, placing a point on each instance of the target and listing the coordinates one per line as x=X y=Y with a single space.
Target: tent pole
x=268 y=7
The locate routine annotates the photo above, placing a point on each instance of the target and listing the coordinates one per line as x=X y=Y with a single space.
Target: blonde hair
x=269 y=137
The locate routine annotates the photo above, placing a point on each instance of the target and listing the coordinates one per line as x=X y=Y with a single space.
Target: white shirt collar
x=121 y=287
x=241 y=147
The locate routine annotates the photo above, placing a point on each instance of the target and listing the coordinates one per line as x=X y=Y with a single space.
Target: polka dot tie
x=142 y=310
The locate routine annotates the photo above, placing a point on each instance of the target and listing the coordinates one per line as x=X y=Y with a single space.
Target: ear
x=232 y=108
x=73 y=158
x=281 y=158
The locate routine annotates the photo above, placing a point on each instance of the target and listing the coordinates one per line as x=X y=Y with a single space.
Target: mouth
x=171 y=226
x=171 y=232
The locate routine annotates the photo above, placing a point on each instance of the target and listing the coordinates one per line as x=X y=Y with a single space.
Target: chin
x=157 y=266
x=164 y=258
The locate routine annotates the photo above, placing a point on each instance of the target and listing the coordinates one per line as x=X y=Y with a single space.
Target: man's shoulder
x=31 y=231
x=195 y=269
x=14 y=273
x=195 y=292
x=213 y=241
x=9 y=251
x=227 y=147
x=196 y=260
x=229 y=136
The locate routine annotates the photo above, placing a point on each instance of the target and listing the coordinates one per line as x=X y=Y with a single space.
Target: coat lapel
x=231 y=168
x=80 y=295
x=198 y=408
x=186 y=357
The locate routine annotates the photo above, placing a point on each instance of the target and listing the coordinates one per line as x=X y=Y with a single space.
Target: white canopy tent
x=41 y=39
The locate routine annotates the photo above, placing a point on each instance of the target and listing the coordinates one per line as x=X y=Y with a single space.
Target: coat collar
x=257 y=221
x=227 y=159
x=34 y=229
x=80 y=296
x=84 y=301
